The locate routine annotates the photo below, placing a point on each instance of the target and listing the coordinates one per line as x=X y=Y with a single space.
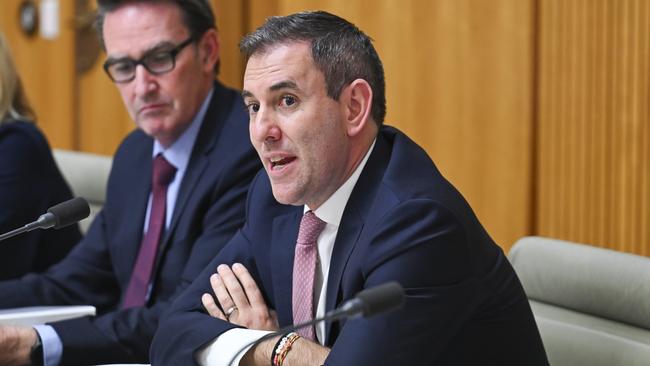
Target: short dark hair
x=197 y=15
x=339 y=49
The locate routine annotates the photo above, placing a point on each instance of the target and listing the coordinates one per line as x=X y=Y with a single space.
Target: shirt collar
x=178 y=154
x=331 y=211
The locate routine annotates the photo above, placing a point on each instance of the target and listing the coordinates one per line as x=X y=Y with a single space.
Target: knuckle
x=236 y=291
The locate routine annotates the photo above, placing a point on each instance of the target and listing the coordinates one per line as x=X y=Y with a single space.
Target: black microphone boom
x=375 y=300
x=58 y=216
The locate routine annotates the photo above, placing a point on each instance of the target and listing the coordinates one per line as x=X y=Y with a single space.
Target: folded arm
x=241 y=302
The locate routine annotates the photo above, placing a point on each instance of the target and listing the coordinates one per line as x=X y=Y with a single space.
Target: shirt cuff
x=220 y=351
x=52 y=345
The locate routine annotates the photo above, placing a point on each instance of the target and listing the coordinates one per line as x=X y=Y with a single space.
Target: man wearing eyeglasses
x=175 y=195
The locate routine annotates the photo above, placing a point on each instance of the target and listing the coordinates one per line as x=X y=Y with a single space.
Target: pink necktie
x=136 y=293
x=304 y=271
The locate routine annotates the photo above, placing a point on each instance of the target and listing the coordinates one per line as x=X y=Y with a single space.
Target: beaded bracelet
x=275 y=348
x=287 y=347
x=282 y=348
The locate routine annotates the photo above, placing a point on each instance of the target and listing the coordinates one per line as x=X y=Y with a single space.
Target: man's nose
x=145 y=82
x=264 y=126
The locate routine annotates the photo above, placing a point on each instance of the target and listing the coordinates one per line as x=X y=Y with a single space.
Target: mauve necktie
x=304 y=272
x=136 y=293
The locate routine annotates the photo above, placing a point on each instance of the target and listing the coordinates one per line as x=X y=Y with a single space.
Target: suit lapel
x=357 y=209
x=206 y=140
x=195 y=169
x=283 y=243
x=346 y=239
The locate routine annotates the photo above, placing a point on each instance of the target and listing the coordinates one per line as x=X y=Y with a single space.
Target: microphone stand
x=44 y=222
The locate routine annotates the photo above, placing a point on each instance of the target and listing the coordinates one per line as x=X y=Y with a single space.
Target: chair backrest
x=592 y=305
x=87 y=175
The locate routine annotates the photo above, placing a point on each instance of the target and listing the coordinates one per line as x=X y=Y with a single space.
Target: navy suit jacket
x=403 y=222
x=209 y=209
x=30 y=183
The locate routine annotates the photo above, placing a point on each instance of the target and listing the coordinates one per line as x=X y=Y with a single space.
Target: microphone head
x=382 y=298
x=69 y=212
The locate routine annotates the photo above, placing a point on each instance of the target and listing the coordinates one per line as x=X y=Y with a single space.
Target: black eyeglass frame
x=143 y=61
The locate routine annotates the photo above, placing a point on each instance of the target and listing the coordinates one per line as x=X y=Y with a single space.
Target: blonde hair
x=13 y=101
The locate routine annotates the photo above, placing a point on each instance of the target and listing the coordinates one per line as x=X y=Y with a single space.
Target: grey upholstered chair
x=592 y=305
x=87 y=175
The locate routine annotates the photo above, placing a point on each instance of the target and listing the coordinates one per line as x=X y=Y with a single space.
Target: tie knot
x=163 y=171
x=310 y=227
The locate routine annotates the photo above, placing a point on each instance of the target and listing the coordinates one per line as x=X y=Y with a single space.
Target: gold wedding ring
x=230 y=310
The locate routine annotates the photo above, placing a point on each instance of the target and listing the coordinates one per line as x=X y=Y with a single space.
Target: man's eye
x=158 y=60
x=288 y=100
x=122 y=67
x=253 y=107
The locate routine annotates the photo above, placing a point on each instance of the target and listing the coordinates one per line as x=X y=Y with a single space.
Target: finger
x=233 y=286
x=220 y=292
x=211 y=307
x=253 y=292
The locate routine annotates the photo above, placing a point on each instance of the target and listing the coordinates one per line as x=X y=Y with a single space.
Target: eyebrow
x=155 y=48
x=284 y=85
x=275 y=87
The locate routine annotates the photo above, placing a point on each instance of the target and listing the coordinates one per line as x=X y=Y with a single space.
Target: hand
x=16 y=344
x=243 y=306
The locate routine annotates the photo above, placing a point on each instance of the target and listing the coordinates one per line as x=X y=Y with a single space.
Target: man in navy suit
x=162 y=56
x=345 y=204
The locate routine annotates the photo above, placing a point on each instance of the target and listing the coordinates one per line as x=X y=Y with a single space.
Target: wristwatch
x=36 y=353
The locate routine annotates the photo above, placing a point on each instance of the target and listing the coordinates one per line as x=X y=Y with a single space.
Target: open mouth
x=280 y=162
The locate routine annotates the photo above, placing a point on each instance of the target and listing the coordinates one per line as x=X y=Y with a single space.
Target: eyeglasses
x=157 y=62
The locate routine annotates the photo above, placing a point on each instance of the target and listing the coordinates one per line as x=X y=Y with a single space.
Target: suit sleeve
x=423 y=247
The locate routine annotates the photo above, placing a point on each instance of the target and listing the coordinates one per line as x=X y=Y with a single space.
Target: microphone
x=58 y=216
x=375 y=300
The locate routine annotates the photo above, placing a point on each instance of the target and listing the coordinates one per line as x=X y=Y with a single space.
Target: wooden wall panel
x=593 y=130
x=47 y=71
x=256 y=11
x=103 y=121
x=231 y=22
x=459 y=82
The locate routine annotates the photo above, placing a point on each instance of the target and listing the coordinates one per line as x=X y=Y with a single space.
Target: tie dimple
x=163 y=171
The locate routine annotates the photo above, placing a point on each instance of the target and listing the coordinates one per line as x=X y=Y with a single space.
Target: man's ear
x=357 y=102
x=209 y=49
